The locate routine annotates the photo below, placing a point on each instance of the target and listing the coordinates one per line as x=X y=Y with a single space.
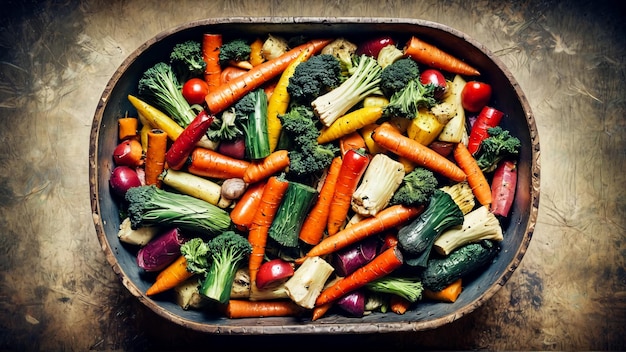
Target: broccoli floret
x=159 y=86
x=416 y=188
x=227 y=251
x=187 y=61
x=494 y=148
x=152 y=206
x=395 y=76
x=234 y=50
x=196 y=252
x=364 y=81
x=225 y=127
x=306 y=156
x=407 y=287
x=314 y=77
x=407 y=101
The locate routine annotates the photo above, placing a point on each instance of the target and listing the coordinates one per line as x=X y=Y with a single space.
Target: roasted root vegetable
x=353 y=303
x=449 y=294
x=308 y=281
x=274 y=46
x=160 y=251
x=432 y=56
x=451 y=109
x=138 y=237
x=192 y=185
x=347 y=260
x=122 y=179
x=425 y=127
x=479 y=224
x=381 y=179
x=188 y=296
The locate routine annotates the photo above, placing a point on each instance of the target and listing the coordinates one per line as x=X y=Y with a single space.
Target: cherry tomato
x=195 y=90
x=273 y=271
x=475 y=95
x=435 y=77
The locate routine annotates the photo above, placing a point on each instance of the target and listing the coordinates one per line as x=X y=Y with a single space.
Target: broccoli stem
x=363 y=82
x=409 y=288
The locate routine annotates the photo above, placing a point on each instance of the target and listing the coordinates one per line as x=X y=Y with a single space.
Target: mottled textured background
x=57 y=292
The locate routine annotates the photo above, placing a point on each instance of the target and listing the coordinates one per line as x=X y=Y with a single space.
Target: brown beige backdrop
x=57 y=292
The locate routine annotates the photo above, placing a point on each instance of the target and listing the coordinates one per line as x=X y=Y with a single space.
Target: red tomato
x=195 y=90
x=435 y=77
x=273 y=271
x=475 y=95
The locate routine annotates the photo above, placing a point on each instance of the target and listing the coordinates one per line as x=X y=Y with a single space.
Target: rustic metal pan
x=507 y=97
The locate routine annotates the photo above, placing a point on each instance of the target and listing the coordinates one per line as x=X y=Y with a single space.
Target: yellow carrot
x=279 y=100
x=350 y=122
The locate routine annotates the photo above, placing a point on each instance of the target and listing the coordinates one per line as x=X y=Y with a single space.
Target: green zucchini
x=296 y=203
x=441 y=272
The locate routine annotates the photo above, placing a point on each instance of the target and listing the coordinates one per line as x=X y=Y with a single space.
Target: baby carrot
x=259 y=309
x=256 y=55
x=382 y=265
x=173 y=275
x=431 y=55
x=399 y=304
x=314 y=225
x=155 y=156
x=266 y=167
x=263 y=217
x=127 y=127
x=391 y=139
x=475 y=177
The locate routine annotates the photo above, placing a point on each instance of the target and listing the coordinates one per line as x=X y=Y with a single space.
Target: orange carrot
x=352 y=140
x=242 y=213
x=449 y=294
x=314 y=225
x=431 y=55
x=263 y=217
x=155 y=156
x=230 y=72
x=385 y=219
x=352 y=169
x=266 y=167
x=319 y=311
x=398 y=304
x=256 y=55
x=382 y=265
x=475 y=177
x=127 y=127
x=259 y=309
x=391 y=139
x=227 y=94
x=211 y=44
x=209 y=163
x=173 y=275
